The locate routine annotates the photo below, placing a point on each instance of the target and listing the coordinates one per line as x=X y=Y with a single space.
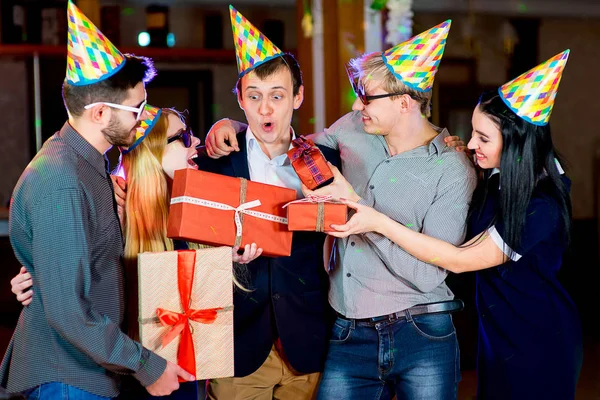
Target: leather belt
x=420 y=309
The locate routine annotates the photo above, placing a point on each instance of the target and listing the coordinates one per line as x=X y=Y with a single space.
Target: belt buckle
x=394 y=317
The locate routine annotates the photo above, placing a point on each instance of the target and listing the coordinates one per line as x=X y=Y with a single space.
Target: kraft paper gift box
x=186 y=309
x=220 y=210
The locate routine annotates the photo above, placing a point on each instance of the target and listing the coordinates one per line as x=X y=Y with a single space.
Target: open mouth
x=191 y=161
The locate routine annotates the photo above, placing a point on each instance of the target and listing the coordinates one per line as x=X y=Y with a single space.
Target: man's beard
x=117 y=135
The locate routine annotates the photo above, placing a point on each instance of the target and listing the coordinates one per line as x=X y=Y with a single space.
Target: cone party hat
x=145 y=127
x=252 y=48
x=415 y=61
x=531 y=95
x=91 y=57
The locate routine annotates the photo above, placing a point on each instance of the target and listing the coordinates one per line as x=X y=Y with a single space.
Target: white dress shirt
x=277 y=171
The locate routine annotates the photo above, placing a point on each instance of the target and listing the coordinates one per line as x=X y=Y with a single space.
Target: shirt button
x=387 y=161
x=348 y=274
x=276 y=296
x=371 y=187
x=352 y=244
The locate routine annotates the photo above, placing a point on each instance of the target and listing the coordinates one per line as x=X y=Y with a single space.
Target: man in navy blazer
x=282 y=326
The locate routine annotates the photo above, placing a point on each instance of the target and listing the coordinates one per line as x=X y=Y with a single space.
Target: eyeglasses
x=136 y=110
x=186 y=135
x=359 y=90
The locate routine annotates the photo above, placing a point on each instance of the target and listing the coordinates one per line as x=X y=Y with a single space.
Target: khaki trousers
x=273 y=380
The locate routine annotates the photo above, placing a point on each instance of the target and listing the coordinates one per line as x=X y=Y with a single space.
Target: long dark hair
x=528 y=166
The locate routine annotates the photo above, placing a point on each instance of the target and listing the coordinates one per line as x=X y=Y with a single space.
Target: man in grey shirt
x=64 y=229
x=394 y=331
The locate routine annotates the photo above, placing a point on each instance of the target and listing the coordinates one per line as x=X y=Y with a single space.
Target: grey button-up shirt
x=64 y=229
x=427 y=189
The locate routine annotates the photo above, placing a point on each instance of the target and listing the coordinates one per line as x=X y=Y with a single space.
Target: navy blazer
x=289 y=294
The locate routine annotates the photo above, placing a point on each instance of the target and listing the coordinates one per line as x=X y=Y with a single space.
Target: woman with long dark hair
x=530 y=341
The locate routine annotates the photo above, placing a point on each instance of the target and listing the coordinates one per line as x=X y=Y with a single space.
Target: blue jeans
x=60 y=391
x=415 y=358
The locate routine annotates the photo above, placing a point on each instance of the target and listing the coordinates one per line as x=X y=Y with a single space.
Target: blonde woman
x=163 y=145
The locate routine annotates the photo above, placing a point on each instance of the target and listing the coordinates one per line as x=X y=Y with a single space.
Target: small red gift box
x=309 y=163
x=316 y=214
x=220 y=210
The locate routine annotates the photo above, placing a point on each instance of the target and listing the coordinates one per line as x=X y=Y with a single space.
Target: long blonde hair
x=147 y=208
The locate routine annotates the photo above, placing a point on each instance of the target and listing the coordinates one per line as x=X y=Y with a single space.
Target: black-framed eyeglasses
x=185 y=135
x=359 y=90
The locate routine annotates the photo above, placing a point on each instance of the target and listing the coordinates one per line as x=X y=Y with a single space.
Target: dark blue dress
x=530 y=340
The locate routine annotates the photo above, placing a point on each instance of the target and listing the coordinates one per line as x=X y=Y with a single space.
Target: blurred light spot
x=127 y=12
x=171 y=39
x=144 y=39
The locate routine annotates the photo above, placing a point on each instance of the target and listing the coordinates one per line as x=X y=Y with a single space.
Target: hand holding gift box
x=309 y=163
x=221 y=210
x=315 y=213
x=186 y=309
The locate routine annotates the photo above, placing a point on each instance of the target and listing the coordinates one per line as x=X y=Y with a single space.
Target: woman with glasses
x=165 y=145
x=530 y=340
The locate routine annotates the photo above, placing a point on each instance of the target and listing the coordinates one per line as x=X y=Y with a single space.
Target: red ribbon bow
x=180 y=322
x=303 y=147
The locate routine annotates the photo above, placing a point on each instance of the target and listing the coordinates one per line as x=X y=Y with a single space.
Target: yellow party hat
x=252 y=48
x=415 y=62
x=91 y=57
x=145 y=127
x=531 y=95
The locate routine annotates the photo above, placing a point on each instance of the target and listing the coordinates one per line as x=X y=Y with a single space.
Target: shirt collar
x=84 y=148
x=438 y=144
x=561 y=171
x=253 y=145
